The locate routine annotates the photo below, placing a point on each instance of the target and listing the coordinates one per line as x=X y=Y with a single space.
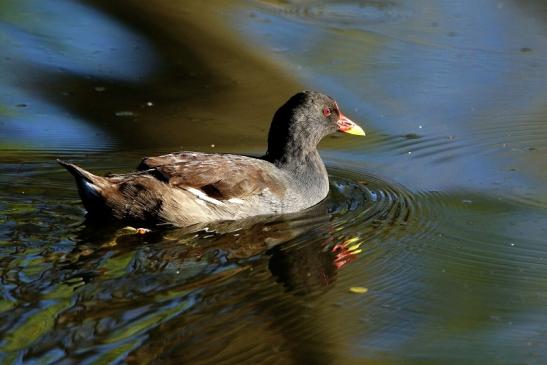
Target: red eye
x=326 y=111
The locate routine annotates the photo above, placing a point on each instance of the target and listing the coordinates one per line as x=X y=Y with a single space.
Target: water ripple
x=154 y=293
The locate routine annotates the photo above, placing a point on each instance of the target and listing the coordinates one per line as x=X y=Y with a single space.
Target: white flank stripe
x=201 y=195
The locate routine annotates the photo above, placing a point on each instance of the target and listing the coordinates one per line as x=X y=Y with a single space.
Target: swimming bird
x=188 y=188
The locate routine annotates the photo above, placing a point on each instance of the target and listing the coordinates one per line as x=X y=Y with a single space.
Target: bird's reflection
x=313 y=265
x=302 y=252
x=264 y=267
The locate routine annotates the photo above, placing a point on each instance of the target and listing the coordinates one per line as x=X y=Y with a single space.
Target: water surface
x=439 y=213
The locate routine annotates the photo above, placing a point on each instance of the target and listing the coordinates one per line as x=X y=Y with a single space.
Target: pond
x=432 y=244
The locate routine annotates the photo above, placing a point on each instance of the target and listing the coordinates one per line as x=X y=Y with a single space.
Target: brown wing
x=220 y=176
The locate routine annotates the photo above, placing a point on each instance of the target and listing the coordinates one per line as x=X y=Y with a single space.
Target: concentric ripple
x=369 y=206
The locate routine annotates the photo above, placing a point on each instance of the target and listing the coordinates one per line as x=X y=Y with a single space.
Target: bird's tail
x=91 y=187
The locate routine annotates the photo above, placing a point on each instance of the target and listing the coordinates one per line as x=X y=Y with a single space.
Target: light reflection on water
x=439 y=212
x=71 y=36
x=60 y=37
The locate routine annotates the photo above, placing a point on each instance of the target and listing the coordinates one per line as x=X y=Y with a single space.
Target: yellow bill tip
x=346 y=125
x=355 y=130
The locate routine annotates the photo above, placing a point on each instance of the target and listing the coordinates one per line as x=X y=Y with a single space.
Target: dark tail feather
x=90 y=186
x=80 y=173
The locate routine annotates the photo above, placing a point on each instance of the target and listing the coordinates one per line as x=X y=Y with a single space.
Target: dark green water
x=440 y=212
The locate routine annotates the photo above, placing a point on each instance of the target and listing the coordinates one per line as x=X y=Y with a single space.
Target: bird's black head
x=300 y=124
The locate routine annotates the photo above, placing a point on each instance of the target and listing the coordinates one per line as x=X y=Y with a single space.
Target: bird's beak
x=347 y=126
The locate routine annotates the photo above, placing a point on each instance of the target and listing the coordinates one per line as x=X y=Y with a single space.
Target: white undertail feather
x=89 y=185
x=91 y=190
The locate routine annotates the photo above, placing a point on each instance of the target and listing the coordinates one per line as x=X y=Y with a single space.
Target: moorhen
x=187 y=188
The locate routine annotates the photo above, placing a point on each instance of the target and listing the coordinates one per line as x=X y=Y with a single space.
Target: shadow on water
x=205 y=78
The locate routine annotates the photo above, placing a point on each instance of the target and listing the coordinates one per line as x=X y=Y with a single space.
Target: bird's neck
x=306 y=169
